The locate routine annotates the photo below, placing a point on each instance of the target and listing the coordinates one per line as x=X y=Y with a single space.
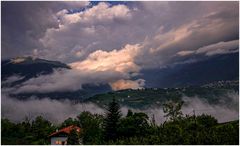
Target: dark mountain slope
x=221 y=67
x=29 y=67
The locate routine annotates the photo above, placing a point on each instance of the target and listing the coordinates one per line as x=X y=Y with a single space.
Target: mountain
x=215 y=93
x=29 y=67
x=216 y=68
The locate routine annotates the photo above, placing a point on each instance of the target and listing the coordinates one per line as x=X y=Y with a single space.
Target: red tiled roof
x=66 y=130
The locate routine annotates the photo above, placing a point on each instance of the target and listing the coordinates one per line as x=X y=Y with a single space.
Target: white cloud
x=99 y=13
x=66 y=80
x=116 y=60
x=90 y=30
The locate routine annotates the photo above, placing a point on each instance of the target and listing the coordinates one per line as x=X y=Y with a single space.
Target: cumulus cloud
x=128 y=84
x=100 y=67
x=100 y=13
x=163 y=28
x=116 y=60
x=86 y=31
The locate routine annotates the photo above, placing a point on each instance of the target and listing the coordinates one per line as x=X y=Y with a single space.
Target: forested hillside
x=144 y=98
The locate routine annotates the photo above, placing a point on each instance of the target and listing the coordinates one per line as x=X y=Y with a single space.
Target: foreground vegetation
x=134 y=128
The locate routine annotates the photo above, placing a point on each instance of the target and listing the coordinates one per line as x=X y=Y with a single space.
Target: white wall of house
x=56 y=140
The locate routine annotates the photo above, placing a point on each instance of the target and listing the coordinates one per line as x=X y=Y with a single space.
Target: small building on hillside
x=60 y=136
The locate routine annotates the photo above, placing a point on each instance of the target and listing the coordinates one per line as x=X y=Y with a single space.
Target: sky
x=111 y=42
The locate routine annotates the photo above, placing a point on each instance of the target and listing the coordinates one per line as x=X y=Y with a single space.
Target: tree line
x=134 y=128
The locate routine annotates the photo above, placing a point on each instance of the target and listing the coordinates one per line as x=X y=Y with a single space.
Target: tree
x=130 y=113
x=91 y=132
x=111 y=121
x=73 y=138
x=134 y=125
x=69 y=122
x=41 y=128
x=206 y=120
x=173 y=110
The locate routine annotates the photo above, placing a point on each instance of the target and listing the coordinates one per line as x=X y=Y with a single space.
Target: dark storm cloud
x=23 y=23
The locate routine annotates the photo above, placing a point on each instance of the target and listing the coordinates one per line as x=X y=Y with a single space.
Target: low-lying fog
x=57 y=111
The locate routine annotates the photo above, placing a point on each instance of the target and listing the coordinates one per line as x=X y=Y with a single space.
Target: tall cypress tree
x=111 y=121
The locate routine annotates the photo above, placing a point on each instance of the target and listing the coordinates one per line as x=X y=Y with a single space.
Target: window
x=58 y=142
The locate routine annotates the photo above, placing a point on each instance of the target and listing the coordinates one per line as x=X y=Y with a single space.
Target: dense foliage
x=134 y=128
x=73 y=138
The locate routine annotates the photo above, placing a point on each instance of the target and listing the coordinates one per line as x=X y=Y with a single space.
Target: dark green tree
x=91 y=128
x=111 y=121
x=41 y=128
x=134 y=125
x=206 y=120
x=130 y=113
x=68 y=122
x=73 y=138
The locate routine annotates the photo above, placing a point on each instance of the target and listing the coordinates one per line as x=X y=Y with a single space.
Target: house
x=60 y=136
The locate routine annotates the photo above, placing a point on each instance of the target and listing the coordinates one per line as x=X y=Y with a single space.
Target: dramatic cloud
x=100 y=67
x=190 y=37
x=117 y=60
x=83 y=32
x=73 y=30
